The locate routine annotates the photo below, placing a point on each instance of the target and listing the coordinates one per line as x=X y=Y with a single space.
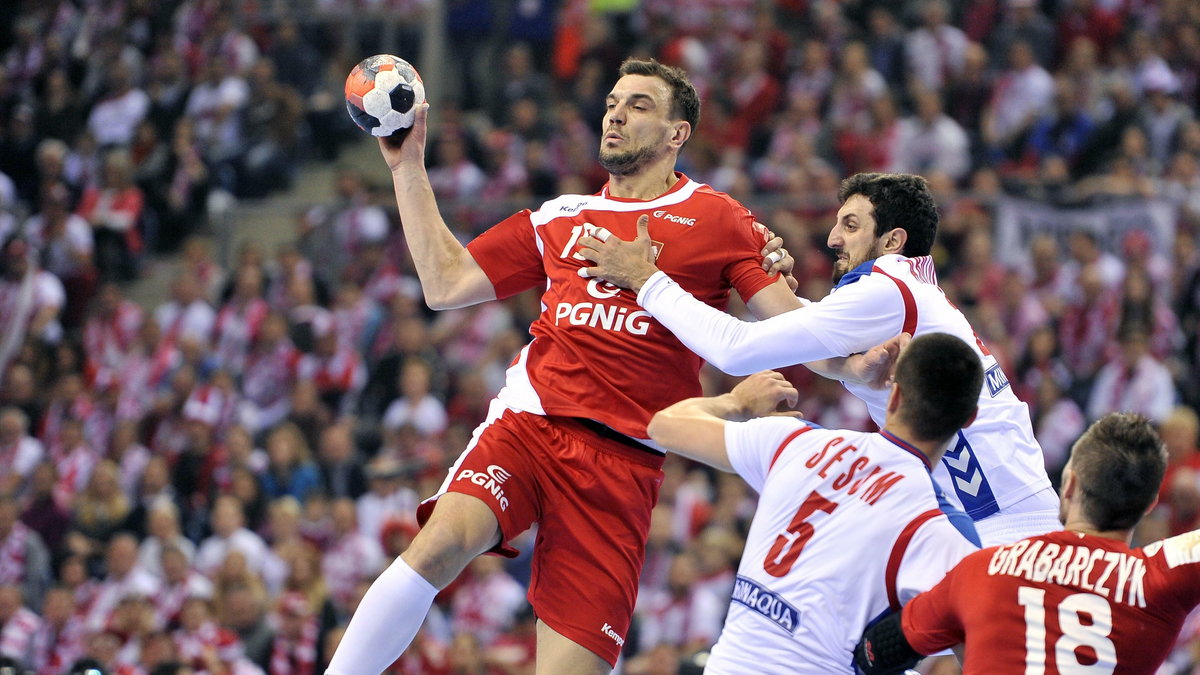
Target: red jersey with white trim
x=595 y=353
x=848 y=525
x=1062 y=602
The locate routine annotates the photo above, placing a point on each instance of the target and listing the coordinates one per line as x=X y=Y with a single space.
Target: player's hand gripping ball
x=382 y=93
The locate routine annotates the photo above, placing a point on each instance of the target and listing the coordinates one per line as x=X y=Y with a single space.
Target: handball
x=382 y=93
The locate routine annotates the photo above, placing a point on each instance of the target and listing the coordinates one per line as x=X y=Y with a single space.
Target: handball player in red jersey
x=564 y=444
x=1073 y=601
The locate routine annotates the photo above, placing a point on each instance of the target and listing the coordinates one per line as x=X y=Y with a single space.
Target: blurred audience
x=209 y=485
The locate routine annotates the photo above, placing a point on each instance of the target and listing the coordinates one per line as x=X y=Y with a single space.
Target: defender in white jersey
x=886 y=284
x=848 y=523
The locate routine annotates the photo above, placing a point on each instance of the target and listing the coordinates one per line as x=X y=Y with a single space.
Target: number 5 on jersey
x=790 y=543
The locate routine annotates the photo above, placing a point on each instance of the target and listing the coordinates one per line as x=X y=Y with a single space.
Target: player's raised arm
x=449 y=275
x=695 y=427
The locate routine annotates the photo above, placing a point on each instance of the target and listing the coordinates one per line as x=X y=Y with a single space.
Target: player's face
x=637 y=128
x=853 y=236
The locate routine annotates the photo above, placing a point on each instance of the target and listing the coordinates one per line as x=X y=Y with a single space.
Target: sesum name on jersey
x=1112 y=574
x=873 y=484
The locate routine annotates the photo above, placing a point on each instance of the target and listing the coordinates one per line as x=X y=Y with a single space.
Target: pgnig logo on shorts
x=490 y=481
x=766 y=602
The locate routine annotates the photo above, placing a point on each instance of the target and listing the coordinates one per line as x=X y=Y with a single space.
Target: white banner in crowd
x=1018 y=221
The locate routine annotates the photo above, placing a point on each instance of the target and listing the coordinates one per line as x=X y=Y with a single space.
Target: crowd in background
x=210 y=484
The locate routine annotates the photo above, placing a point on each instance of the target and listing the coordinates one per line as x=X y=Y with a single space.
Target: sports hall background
x=186 y=170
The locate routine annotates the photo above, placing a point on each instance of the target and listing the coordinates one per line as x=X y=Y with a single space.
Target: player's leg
x=487 y=497
x=460 y=528
x=597 y=499
x=394 y=607
x=558 y=654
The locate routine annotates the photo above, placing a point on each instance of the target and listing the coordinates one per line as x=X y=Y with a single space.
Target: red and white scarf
x=12 y=555
x=295 y=655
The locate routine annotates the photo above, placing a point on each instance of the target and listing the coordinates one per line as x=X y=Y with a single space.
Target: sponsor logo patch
x=491 y=481
x=995 y=379
x=670 y=217
x=608 y=630
x=766 y=602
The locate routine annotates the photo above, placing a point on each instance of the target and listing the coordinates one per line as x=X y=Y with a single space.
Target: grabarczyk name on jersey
x=766 y=602
x=1112 y=574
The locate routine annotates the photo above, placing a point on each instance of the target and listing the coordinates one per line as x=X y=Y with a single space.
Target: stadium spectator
x=416 y=405
x=1088 y=325
x=163 y=531
x=114 y=208
x=488 y=601
x=1135 y=381
x=187 y=314
x=350 y=556
x=121 y=108
x=229 y=534
x=59 y=640
x=31 y=301
x=1024 y=22
x=680 y=615
x=290 y=470
x=20 y=625
x=19 y=451
x=930 y=141
x=936 y=49
x=24 y=559
x=102 y=508
x=64 y=245
x=1178 y=508
x=1022 y=93
x=123 y=576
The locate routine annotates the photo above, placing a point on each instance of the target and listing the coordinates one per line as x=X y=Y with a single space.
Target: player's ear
x=1068 y=482
x=682 y=132
x=894 y=241
x=971 y=419
x=893 y=402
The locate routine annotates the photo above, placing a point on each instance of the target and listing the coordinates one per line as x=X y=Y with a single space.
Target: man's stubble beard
x=629 y=162
x=872 y=255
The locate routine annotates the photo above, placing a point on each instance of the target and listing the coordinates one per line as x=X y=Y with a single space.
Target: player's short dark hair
x=1119 y=463
x=685 y=102
x=940 y=377
x=901 y=200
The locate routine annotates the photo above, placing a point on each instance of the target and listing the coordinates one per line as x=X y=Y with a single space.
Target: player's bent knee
x=460 y=528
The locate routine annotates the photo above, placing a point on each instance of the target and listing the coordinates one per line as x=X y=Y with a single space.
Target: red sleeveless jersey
x=595 y=352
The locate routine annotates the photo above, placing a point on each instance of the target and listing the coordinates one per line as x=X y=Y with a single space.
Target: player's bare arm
x=450 y=277
x=695 y=427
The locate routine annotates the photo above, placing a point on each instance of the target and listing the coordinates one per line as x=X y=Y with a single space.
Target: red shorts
x=591 y=497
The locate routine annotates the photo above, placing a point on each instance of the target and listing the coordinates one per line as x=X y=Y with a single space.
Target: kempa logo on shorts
x=608 y=630
x=490 y=481
x=675 y=219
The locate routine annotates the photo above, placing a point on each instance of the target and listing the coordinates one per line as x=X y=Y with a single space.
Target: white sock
x=386 y=621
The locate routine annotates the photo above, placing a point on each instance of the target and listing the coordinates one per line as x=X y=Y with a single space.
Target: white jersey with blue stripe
x=990 y=466
x=848 y=525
